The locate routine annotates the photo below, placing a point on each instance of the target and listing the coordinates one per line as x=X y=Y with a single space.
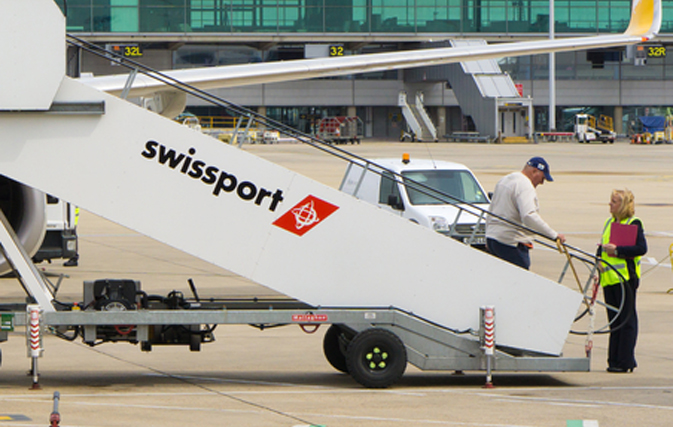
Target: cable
x=645 y=273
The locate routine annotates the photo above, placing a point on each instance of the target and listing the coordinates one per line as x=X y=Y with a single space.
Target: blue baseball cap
x=541 y=164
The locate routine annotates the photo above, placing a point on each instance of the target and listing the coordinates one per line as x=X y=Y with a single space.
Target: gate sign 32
x=336 y=50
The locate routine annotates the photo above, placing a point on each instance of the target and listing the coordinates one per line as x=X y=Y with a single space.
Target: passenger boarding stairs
x=259 y=220
x=417 y=118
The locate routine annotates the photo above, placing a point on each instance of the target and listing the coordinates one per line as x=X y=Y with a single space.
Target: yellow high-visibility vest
x=609 y=276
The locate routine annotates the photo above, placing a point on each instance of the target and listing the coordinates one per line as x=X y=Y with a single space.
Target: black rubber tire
x=195 y=338
x=376 y=358
x=333 y=348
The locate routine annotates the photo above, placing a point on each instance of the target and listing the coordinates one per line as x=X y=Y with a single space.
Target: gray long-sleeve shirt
x=515 y=199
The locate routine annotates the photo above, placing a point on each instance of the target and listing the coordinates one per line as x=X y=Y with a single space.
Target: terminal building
x=172 y=34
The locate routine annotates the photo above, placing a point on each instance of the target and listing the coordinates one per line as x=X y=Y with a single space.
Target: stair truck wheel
x=334 y=346
x=195 y=338
x=376 y=358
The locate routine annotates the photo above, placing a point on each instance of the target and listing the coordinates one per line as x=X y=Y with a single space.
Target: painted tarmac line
x=581 y=423
x=576 y=402
x=326 y=390
x=408 y=421
x=170 y=408
x=560 y=388
x=312 y=388
x=41 y=398
x=554 y=403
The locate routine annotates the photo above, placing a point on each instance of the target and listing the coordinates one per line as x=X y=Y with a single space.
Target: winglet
x=645 y=19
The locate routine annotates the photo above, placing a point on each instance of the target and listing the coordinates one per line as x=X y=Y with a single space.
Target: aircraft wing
x=644 y=25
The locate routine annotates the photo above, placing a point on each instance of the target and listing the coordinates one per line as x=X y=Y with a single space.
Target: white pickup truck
x=421 y=205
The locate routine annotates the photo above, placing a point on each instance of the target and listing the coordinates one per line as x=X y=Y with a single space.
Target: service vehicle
x=588 y=129
x=652 y=130
x=450 y=216
x=340 y=129
x=60 y=239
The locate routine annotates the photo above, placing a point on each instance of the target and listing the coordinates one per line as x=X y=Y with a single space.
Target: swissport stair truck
x=340 y=261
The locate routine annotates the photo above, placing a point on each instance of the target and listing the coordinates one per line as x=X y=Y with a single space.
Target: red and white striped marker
x=34 y=337
x=33 y=331
x=488 y=319
x=489 y=330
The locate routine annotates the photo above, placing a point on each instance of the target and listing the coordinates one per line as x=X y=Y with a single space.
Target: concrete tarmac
x=279 y=377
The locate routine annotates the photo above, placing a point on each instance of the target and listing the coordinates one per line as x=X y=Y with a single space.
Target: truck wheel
x=194 y=338
x=376 y=358
x=333 y=345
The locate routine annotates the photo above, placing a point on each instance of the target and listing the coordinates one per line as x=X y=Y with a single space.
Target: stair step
x=515 y=140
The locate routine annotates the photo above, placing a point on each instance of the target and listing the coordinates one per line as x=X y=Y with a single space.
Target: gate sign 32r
x=656 y=51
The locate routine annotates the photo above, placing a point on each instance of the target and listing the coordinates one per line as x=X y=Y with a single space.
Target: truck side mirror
x=490 y=195
x=395 y=202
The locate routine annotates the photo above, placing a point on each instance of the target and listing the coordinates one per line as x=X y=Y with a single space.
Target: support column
x=262 y=111
x=617 y=119
x=441 y=121
x=352 y=111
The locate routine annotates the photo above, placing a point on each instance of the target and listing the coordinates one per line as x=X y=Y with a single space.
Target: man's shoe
x=619 y=370
x=72 y=262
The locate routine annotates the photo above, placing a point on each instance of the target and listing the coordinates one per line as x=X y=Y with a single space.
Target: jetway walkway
x=274 y=226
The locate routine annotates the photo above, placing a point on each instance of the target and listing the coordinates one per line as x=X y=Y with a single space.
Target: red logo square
x=305 y=215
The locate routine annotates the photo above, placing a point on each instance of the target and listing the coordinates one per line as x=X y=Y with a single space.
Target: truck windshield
x=457 y=183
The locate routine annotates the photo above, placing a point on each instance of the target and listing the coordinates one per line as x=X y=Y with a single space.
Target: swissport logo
x=305 y=215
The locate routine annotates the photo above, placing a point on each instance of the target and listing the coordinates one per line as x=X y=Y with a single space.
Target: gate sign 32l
x=126 y=50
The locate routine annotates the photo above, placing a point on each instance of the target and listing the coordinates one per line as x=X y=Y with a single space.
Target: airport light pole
x=552 y=72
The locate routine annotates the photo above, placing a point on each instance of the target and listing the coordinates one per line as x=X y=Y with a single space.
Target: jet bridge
x=272 y=226
x=489 y=96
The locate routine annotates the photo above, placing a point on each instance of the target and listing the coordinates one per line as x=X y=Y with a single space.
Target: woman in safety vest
x=622 y=247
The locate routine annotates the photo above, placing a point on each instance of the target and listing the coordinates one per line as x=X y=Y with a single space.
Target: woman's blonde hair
x=628 y=206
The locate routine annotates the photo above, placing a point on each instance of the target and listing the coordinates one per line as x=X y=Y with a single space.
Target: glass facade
x=348 y=16
x=364 y=20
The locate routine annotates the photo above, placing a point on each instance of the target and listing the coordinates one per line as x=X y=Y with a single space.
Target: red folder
x=623 y=234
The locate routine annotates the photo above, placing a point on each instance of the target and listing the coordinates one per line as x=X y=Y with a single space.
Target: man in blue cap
x=515 y=200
